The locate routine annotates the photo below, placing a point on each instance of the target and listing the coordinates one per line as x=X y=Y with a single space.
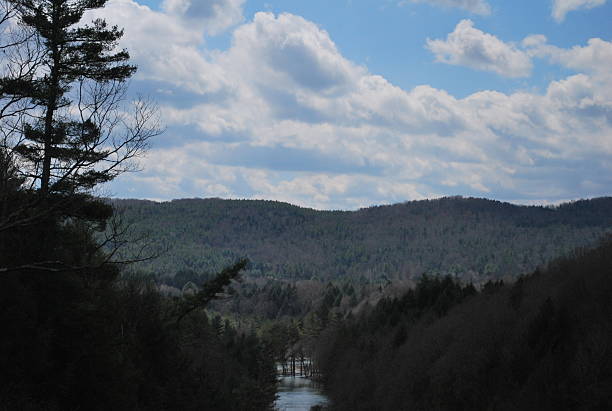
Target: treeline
x=277 y=299
x=82 y=336
x=543 y=342
x=474 y=239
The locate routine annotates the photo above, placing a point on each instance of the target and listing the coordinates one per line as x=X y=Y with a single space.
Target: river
x=298 y=394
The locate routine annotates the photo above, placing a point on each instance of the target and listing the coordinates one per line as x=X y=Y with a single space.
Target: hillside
x=475 y=239
x=542 y=343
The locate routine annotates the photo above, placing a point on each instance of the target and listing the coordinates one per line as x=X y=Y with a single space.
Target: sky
x=342 y=104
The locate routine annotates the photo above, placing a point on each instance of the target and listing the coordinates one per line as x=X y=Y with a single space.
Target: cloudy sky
x=349 y=103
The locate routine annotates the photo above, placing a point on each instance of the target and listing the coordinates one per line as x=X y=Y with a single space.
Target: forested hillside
x=475 y=239
x=541 y=343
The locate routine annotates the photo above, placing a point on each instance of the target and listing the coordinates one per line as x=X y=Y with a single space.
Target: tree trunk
x=53 y=94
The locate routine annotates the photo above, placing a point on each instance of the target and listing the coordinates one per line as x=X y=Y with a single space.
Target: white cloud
x=327 y=133
x=474 y=6
x=470 y=47
x=164 y=47
x=562 y=7
x=295 y=52
x=215 y=16
x=595 y=57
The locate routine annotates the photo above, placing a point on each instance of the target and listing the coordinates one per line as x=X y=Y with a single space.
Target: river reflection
x=298 y=393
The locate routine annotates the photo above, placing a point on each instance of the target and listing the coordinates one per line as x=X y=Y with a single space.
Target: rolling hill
x=474 y=239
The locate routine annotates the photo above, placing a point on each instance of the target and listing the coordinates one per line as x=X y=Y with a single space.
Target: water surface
x=298 y=394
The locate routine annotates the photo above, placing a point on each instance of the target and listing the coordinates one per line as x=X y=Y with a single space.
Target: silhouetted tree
x=76 y=134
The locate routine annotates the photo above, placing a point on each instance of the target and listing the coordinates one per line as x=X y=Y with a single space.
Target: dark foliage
x=89 y=339
x=544 y=342
x=210 y=290
x=76 y=334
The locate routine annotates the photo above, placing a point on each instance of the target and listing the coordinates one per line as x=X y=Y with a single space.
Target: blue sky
x=350 y=103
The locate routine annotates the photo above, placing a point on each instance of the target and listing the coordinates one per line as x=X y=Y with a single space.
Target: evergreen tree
x=76 y=134
x=64 y=149
x=83 y=338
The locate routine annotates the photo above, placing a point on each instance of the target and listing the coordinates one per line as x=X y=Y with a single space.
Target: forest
x=542 y=342
x=474 y=239
x=199 y=304
x=533 y=333
x=79 y=332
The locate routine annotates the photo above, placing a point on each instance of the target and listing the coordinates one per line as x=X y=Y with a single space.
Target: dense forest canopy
x=474 y=239
x=540 y=343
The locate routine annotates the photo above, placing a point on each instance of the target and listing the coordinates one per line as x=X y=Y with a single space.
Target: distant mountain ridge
x=475 y=239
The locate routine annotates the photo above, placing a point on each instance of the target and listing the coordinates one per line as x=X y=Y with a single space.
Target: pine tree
x=73 y=133
x=76 y=140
